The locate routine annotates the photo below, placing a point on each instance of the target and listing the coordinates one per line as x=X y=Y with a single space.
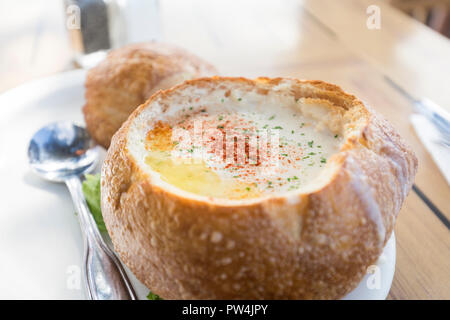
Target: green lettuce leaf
x=152 y=296
x=91 y=190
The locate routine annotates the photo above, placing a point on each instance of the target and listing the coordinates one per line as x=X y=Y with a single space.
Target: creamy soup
x=235 y=153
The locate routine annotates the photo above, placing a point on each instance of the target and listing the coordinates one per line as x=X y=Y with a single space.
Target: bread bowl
x=313 y=241
x=129 y=76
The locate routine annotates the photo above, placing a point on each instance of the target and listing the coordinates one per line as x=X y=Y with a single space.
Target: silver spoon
x=61 y=152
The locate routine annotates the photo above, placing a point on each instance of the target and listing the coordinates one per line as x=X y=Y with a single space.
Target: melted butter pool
x=198 y=178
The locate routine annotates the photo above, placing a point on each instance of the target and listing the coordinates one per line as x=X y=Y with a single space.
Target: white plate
x=41 y=248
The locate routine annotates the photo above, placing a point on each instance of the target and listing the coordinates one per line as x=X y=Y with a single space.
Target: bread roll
x=129 y=76
x=314 y=241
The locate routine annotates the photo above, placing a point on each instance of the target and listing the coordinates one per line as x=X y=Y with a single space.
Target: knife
x=435 y=113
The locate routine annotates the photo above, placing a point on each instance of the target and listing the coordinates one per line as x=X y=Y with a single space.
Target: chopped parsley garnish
x=272 y=117
x=323 y=160
x=247 y=188
x=219 y=127
x=312 y=153
x=277 y=127
x=310 y=143
x=220 y=118
x=335 y=136
x=240 y=99
x=203 y=110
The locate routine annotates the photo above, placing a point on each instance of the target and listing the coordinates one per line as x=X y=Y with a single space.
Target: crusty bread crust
x=318 y=247
x=129 y=76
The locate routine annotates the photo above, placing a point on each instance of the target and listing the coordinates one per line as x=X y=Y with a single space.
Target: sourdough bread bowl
x=128 y=77
x=305 y=225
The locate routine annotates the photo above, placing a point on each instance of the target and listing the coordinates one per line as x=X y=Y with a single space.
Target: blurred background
x=433 y=13
x=37 y=37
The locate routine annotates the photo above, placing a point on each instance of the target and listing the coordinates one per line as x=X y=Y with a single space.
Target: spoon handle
x=105 y=277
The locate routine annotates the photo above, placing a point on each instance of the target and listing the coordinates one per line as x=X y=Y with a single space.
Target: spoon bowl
x=60 y=150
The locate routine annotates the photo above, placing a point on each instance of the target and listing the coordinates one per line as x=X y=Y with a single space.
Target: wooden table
x=327 y=40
